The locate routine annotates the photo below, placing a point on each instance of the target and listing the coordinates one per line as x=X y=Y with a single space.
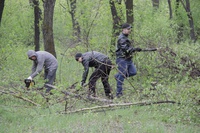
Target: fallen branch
x=117 y=105
x=20 y=97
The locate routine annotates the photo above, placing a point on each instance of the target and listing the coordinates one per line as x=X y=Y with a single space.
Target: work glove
x=29 y=78
x=138 y=49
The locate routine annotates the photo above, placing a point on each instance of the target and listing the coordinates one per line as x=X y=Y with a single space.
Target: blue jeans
x=126 y=68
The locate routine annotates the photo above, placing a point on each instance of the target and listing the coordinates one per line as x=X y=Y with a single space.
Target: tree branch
x=117 y=105
x=20 y=97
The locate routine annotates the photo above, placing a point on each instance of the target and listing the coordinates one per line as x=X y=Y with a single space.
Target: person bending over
x=43 y=59
x=102 y=65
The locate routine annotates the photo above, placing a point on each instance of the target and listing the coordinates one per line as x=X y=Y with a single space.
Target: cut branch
x=20 y=97
x=117 y=105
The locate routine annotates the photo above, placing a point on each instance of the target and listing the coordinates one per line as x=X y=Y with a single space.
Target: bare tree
x=1 y=9
x=47 y=26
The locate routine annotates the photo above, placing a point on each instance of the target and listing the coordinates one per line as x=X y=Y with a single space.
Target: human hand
x=29 y=78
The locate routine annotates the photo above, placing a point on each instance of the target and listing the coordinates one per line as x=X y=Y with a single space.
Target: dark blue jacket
x=124 y=48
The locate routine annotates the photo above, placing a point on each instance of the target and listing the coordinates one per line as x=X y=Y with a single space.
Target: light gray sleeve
x=38 y=68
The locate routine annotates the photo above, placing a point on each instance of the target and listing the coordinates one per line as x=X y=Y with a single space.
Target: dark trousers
x=49 y=76
x=126 y=68
x=102 y=71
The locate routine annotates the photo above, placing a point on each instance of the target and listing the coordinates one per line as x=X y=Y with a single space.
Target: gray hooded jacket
x=44 y=59
x=91 y=59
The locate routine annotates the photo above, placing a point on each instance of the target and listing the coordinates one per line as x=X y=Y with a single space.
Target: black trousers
x=102 y=71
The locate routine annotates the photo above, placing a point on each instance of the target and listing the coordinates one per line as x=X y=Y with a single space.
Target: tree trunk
x=170 y=9
x=47 y=26
x=1 y=9
x=129 y=11
x=76 y=26
x=37 y=17
x=116 y=25
x=190 y=18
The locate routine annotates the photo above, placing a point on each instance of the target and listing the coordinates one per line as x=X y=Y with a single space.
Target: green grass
x=137 y=119
x=17 y=115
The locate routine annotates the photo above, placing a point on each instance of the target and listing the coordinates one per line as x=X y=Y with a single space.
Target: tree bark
x=1 y=9
x=76 y=26
x=47 y=26
x=37 y=17
x=190 y=19
x=129 y=11
x=170 y=9
x=116 y=25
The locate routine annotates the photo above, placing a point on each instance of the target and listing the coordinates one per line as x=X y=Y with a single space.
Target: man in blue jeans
x=124 y=51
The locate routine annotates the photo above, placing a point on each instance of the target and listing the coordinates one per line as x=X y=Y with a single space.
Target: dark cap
x=126 y=26
x=77 y=56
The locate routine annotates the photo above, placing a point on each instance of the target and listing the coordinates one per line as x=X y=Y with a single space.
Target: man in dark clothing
x=102 y=66
x=124 y=51
x=48 y=61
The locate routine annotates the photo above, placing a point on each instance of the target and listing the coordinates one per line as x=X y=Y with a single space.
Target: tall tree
x=170 y=9
x=116 y=24
x=1 y=9
x=47 y=26
x=75 y=23
x=190 y=18
x=37 y=17
x=129 y=11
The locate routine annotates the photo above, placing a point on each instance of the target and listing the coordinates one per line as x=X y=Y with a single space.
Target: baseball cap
x=126 y=26
x=77 y=56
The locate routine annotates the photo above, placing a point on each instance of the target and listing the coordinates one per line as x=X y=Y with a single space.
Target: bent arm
x=38 y=68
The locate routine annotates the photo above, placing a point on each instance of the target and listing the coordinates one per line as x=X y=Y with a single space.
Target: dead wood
x=20 y=97
x=117 y=105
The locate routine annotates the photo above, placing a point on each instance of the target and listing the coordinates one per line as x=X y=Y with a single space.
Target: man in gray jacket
x=48 y=61
x=102 y=65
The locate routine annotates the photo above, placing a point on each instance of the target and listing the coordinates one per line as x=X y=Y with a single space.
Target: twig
x=20 y=97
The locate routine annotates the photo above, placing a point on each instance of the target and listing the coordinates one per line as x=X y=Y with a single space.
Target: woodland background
x=164 y=95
